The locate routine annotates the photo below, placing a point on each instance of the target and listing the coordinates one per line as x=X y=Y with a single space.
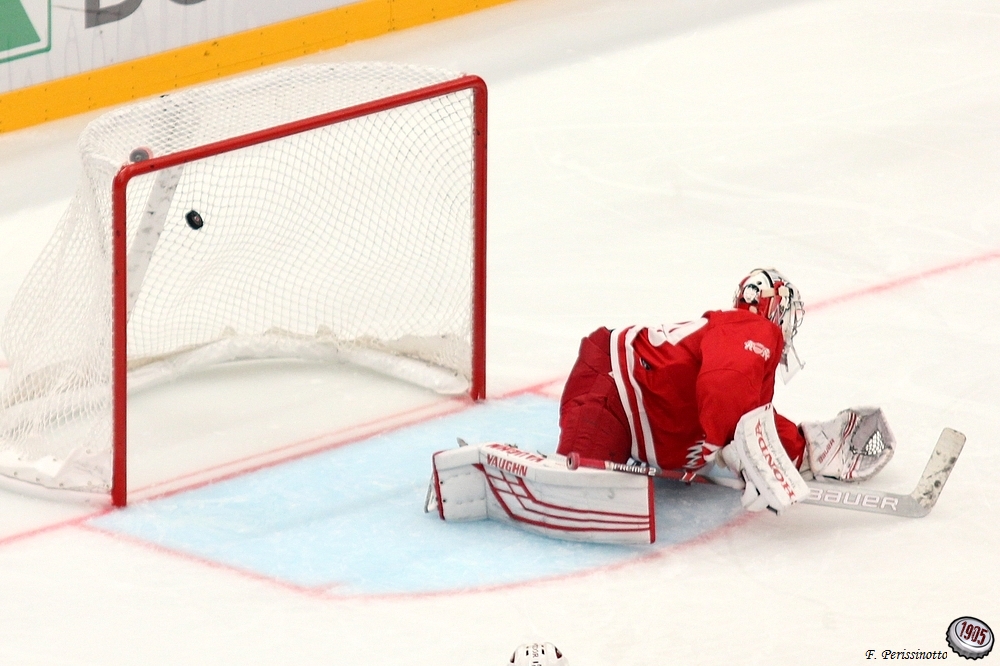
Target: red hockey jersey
x=687 y=385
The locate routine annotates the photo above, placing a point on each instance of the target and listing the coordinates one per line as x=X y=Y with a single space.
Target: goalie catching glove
x=853 y=446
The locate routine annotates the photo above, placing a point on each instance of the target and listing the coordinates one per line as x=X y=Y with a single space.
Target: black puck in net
x=194 y=219
x=139 y=155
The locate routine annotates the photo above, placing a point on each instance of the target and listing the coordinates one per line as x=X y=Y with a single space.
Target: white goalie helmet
x=765 y=291
x=538 y=654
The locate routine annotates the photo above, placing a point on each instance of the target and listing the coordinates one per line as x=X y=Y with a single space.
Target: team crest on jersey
x=757 y=348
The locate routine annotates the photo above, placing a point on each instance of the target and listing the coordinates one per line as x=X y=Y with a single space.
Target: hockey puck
x=139 y=155
x=194 y=219
x=970 y=638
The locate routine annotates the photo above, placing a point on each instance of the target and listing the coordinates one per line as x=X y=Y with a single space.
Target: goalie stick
x=839 y=495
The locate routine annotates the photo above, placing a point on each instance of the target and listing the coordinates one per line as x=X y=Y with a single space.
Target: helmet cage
x=766 y=292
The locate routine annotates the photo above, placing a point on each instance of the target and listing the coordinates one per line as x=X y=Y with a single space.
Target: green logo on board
x=25 y=28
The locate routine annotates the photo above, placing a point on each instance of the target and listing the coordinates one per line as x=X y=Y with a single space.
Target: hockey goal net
x=326 y=212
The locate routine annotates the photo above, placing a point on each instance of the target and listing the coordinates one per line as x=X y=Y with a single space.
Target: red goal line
x=906 y=280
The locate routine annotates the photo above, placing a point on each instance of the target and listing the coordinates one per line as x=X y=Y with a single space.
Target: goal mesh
x=351 y=241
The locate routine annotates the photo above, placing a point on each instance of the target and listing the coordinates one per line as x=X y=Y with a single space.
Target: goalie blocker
x=541 y=495
x=756 y=453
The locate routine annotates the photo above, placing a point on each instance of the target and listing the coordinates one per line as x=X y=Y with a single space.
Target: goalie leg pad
x=458 y=485
x=541 y=495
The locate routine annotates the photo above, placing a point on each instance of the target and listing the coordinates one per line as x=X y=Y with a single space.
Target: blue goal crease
x=351 y=519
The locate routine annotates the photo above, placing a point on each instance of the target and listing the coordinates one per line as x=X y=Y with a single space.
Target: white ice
x=643 y=156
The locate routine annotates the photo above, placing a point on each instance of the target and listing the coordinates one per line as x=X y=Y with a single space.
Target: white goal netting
x=351 y=241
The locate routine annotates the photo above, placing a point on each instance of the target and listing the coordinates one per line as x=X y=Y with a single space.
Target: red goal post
x=440 y=242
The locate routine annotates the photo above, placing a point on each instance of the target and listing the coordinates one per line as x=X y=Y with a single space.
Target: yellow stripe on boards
x=220 y=57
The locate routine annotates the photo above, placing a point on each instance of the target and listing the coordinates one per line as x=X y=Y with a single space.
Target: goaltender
x=694 y=398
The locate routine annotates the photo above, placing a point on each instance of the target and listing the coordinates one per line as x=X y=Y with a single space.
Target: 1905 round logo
x=970 y=638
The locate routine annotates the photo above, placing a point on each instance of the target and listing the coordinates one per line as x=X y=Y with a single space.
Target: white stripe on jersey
x=616 y=373
x=631 y=394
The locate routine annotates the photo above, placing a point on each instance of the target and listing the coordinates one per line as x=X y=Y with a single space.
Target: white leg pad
x=458 y=484
x=542 y=495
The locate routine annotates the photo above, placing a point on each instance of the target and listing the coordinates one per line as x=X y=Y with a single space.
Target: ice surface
x=347 y=520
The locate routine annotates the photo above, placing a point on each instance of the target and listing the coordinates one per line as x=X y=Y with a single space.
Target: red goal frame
x=119 y=380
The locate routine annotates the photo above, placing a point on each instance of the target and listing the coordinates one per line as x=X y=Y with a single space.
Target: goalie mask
x=538 y=654
x=766 y=292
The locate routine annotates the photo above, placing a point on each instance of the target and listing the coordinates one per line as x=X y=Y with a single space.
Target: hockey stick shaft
x=575 y=461
x=841 y=496
x=915 y=505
